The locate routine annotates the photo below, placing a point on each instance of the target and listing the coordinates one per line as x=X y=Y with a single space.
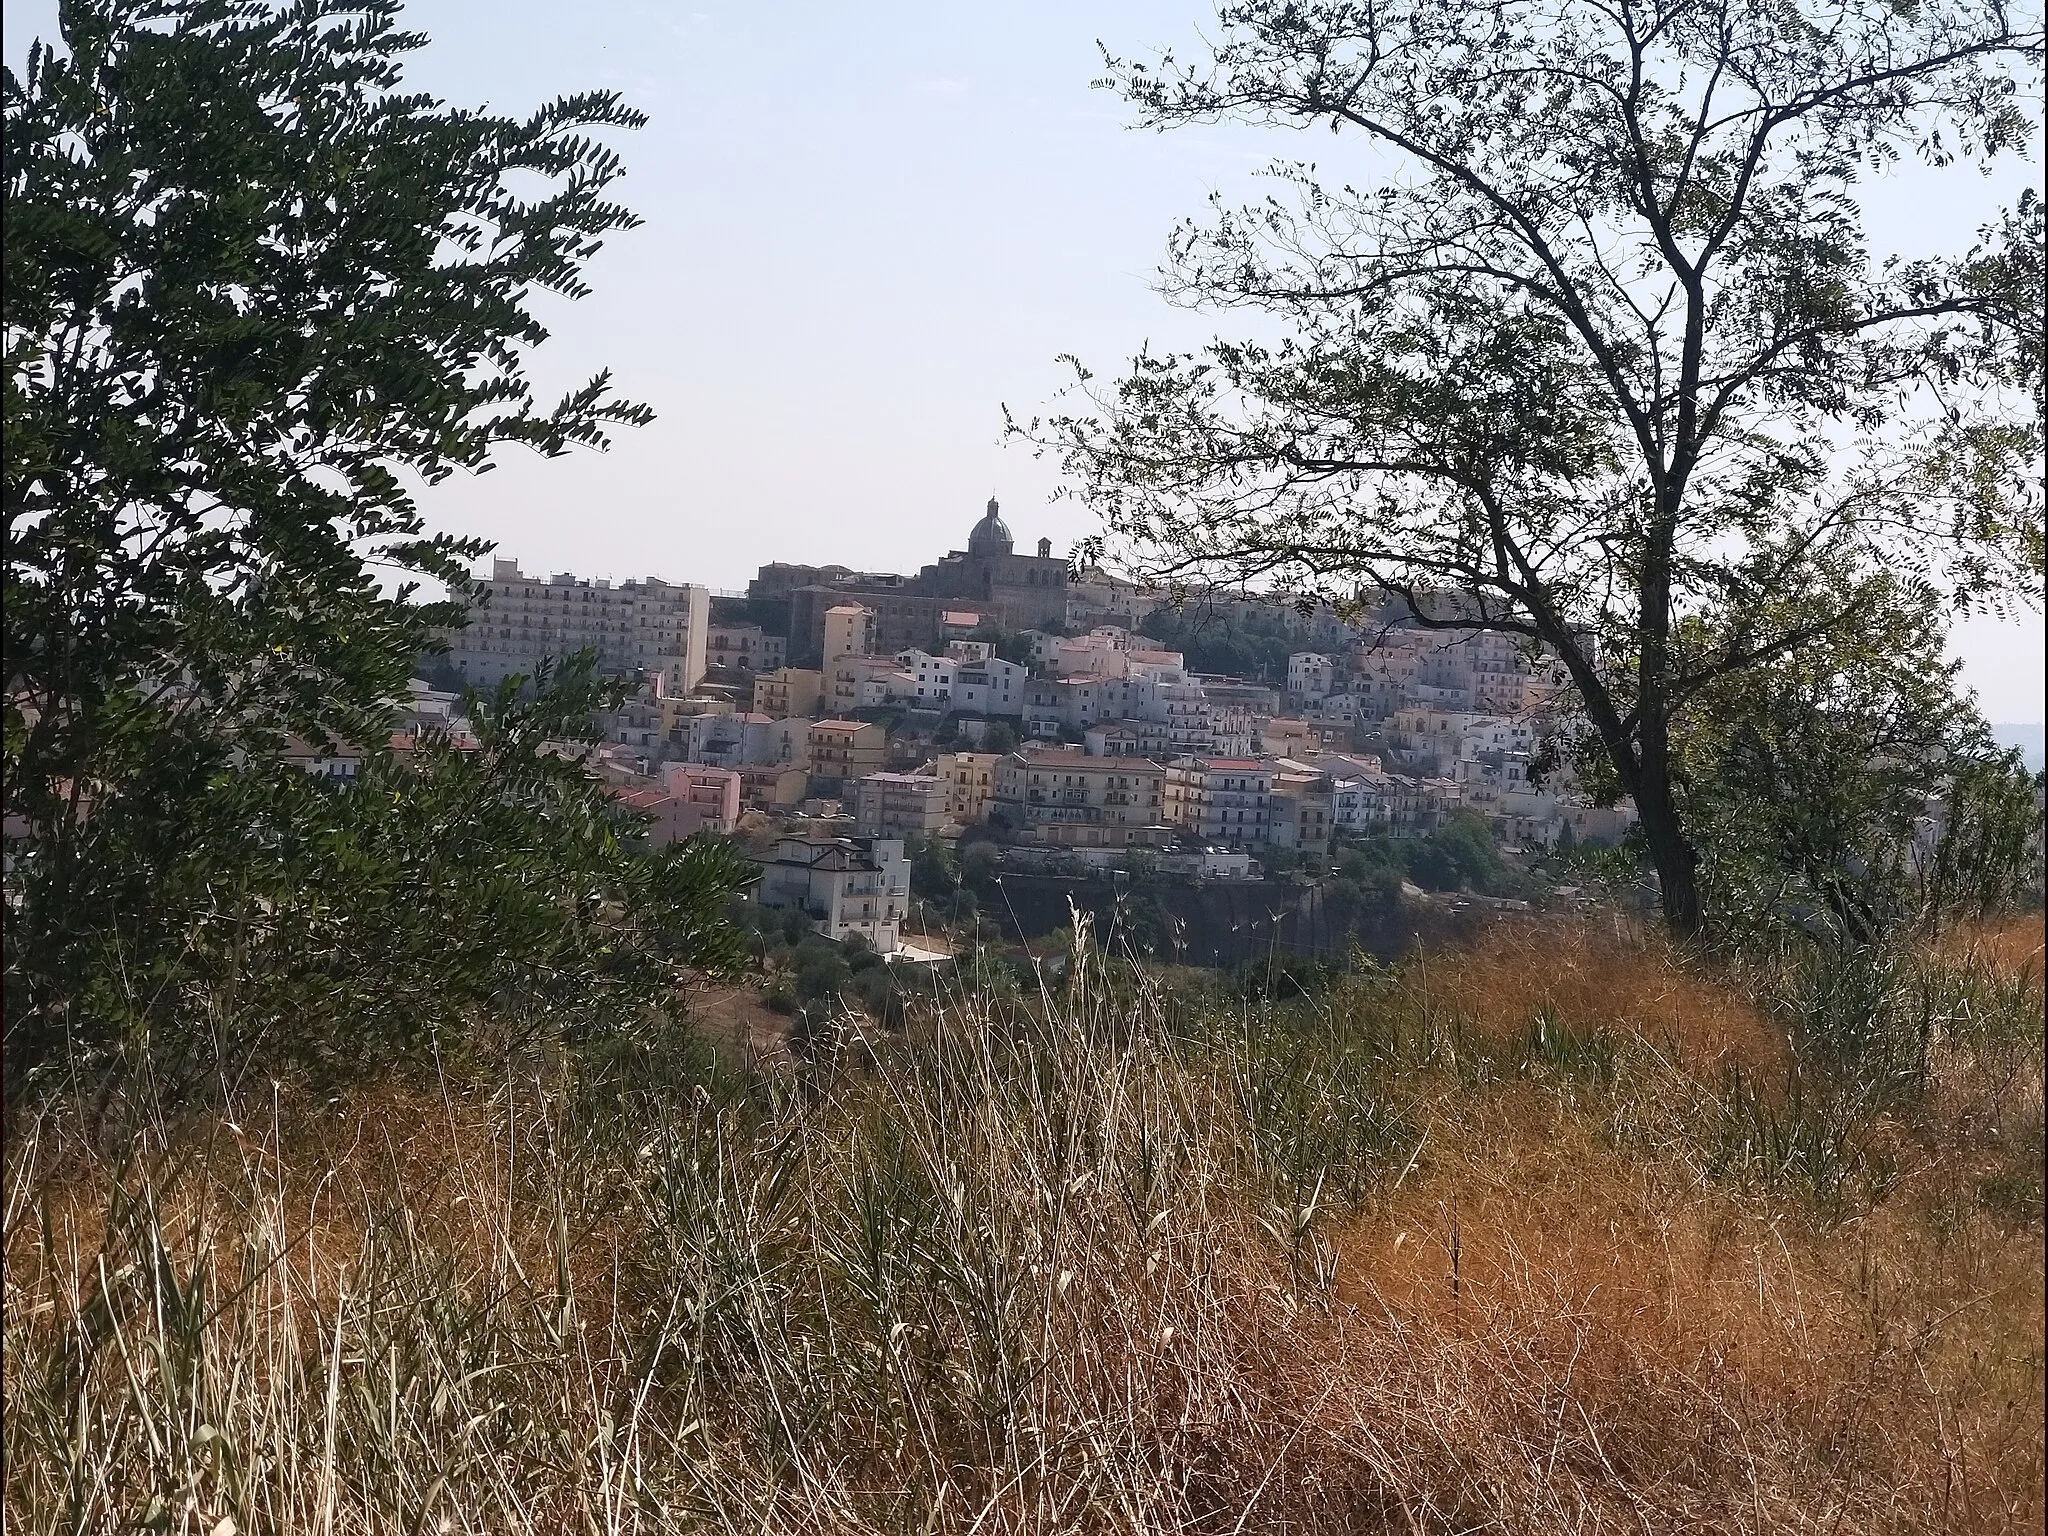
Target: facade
x=748 y=740
x=744 y=648
x=847 y=749
x=1225 y=800
x=774 y=787
x=1062 y=796
x=969 y=678
x=1358 y=804
x=849 y=631
x=1310 y=675
x=1018 y=591
x=709 y=796
x=645 y=625
x=904 y=617
x=899 y=805
x=1304 y=811
x=988 y=578
x=788 y=691
x=969 y=778
x=863 y=682
x=846 y=886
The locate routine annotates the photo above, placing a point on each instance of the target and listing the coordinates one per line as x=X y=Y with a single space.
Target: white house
x=844 y=885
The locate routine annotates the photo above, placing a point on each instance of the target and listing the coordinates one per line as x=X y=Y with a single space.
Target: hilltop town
x=842 y=718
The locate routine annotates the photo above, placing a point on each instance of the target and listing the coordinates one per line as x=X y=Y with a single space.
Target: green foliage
x=248 y=283
x=253 y=291
x=298 y=923
x=1229 y=641
x=934 y=874
x=1847 y=785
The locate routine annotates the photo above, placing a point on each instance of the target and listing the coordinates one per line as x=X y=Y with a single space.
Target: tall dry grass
x=1551 y=1235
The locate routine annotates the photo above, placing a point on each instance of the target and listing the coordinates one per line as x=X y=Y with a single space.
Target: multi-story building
x=748 y=740
x=864 y=682
x=969 y=678
x=744 y=648
x=846 y=886
x=969 y=778
x=1429 y=735
x=847 y=749
x=1358 y=803
x=1065 y=797
x=1221 y=799
x=988 y=577
x=709 y=796
x=640 y=626
x=1310 y=675
x=899 y=805
x=789 y=691
x=849 y=631
x=990 y=687
x=1304 y=810
x=774 y=786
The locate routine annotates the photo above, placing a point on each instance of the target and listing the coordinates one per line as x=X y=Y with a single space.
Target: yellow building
x=847 y=749
x=970 y=779
x=1059 y=796
x=849 y=631
x=788 y=691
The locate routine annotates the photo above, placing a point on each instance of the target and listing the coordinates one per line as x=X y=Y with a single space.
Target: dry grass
x=1607 y=973
x=1398 y=1262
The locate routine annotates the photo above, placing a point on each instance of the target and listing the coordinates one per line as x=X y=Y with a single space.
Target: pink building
x=709 y=797
x=691 y=798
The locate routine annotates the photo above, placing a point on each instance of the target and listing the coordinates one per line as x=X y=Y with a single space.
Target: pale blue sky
x=867 y=228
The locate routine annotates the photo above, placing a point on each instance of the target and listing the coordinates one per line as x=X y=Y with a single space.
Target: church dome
x=991 y=536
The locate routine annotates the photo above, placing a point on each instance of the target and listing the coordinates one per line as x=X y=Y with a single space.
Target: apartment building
x=709 y=797
x=846 y=886
x=969 y=778
x=849 y=631
x=864 y=682
x=1065 y=797
x=1304 y=810
x=1358 y=804
x=847 y=749
x=744 y=648
x=976 y=683
x=639 y=626
x=899 y=805
x=1310 y=675
x=789 y=691
x=1221 y=799
x=747 y=740
x=773 y=786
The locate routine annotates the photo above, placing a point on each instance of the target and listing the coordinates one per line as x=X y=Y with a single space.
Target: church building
x=1020 y=591
x=989 y=577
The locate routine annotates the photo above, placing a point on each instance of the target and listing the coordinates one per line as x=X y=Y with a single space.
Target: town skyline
x=984 y=210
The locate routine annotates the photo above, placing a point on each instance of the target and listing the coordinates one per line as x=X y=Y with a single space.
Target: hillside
x=1555 y=1233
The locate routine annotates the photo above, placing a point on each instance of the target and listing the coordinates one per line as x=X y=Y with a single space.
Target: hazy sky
x=868 y=227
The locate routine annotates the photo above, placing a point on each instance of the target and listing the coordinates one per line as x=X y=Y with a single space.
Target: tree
x=1601 y=361
x=301 y=924
x=1812 y=779
x=250 y=288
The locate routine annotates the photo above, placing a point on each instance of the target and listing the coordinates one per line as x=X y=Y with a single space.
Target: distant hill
x=2026 y=737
